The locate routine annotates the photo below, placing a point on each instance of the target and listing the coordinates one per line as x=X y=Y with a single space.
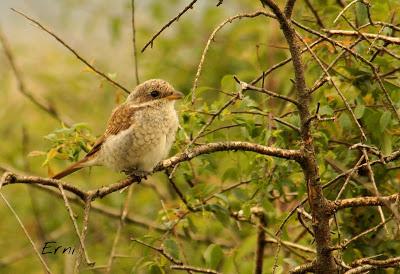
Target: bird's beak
x=176 y=95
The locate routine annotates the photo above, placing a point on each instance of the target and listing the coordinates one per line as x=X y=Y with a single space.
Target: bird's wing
x=121 y=118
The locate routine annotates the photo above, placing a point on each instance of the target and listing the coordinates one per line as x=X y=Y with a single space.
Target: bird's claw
x=136 y=175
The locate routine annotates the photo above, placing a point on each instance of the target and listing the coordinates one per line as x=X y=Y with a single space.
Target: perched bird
x=139 y=134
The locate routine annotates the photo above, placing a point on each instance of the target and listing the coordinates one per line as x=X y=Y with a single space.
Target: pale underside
x=143 y=144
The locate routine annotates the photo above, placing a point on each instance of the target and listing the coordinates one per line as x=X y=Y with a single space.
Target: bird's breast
x=144 y=144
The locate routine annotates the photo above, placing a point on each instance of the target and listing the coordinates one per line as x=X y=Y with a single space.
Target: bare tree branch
x=318 y=203
x=194 y=269
x=45 y=266
x=77 y=55
x=135 y=56
x=245 y=86
x=212 y=37
x=44 y=105
x=364 y=201
x=304 y=268
x=10 y=178
x=176 y=18
x=364 y=265
x=259 y=259
x=388 y=39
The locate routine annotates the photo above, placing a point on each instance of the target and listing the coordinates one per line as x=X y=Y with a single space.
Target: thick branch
x=369 y=264
x=324 y=261
x=229 y=146
x=364 y=201
x=10 y=178
x=262 y=223
x=304 y=268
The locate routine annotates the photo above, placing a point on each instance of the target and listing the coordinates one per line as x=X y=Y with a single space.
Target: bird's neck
x=156 y=104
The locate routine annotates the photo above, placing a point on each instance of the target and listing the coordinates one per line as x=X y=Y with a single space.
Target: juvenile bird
x=139 y=134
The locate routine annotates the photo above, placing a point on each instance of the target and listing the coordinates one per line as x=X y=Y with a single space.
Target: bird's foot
x=137 y=175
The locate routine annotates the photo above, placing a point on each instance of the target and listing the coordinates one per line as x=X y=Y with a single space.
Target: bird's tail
x=71 y=169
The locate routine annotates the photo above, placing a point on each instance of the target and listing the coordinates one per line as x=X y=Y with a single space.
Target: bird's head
x=154 y=90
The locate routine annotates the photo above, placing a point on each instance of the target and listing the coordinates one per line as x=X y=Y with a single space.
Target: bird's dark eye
x=155 y=93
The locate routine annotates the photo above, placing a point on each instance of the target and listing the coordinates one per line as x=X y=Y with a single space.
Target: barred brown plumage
x=139 y=133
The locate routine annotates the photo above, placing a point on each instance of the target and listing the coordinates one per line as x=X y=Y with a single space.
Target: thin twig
x=40 y=102
x=71 y=50
x=178 y=191
x=194 y=269
x=315 y=13
x=282 y=63
x=135 y=61
x=85 y=223
x=359 y=57
x=124 y=214
x=335 y=86
x=159 y=250
x=291 y=244
x=362 y=234
x=212 y=37
x=245 y=86
x=45 y=266
x=344 y=10
x=176 y=18
x=372 y=179
x=348 y=177
x=71 y=215
x=388 y=39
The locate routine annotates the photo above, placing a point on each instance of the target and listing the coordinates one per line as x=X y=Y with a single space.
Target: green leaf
x=250 y=103
x=361 y=14
x=213 y=255
x=230 y=173
x=359 y=111
x=345 y=121
x=155 y=269
x=50 y=155
x=326 y=110
x=171 y=247
x=201 y=190
x=385 y=120
x=222 y=197
x=387 y=144
x=228 y=84
x=191 y=225
x=220 y=212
